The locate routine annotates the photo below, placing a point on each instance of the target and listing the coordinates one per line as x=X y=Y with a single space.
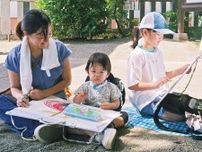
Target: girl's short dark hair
x=99 y=58
x=33 y=21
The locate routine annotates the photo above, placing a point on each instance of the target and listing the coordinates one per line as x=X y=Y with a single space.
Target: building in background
x=11 y=12
x=136 y=9
x=190 y=9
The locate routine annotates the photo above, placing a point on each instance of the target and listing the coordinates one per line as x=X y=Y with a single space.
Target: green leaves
x=84 y=19
x=76 y=19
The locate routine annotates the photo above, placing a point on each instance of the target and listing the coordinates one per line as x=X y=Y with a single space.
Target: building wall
x=16 y=12
x=13 y=9
x=134 y=5
x=5 y=14
x=13 y=23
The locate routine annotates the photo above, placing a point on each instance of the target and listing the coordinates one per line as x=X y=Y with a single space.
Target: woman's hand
x=37 y=94
x=22 y=101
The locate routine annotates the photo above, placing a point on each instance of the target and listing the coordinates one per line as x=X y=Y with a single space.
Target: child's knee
x=121 y=121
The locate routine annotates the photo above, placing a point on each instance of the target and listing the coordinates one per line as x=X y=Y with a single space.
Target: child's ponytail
x=136 y=35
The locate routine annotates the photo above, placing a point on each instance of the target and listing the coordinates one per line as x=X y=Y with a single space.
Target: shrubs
x=194 y=33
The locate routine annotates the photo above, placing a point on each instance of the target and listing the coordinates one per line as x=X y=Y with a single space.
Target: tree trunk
x=117 y=20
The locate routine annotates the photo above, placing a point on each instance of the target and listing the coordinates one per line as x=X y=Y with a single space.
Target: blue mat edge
x=149 y=124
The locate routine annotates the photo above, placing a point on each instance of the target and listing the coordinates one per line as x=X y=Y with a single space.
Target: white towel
x=50 y=57
x=49 y=61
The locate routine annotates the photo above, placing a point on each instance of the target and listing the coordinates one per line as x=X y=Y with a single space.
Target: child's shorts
x=150 y=108
x=124 y=115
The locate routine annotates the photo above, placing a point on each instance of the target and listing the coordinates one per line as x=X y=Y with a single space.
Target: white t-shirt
x=145 y=66
x=105 y=92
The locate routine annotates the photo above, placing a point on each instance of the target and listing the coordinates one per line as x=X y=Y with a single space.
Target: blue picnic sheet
x=136 y=120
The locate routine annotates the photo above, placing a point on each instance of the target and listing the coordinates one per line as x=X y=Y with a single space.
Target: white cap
x=155 y=21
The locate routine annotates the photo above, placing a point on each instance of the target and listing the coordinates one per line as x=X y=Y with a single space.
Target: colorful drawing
x=83 y=111
x=56 y=105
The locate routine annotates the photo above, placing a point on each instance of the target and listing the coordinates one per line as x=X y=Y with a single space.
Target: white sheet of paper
x=37 y=110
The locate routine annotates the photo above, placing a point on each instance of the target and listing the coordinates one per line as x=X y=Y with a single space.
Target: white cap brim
x=164 y=31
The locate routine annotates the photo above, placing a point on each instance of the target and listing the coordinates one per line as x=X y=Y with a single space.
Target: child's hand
x=185 y=68
x=110 y=106
x=106 y=105
x=80 y=97
x=161 y=82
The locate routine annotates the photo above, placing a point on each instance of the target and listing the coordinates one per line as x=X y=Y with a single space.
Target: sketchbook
x=54 y=110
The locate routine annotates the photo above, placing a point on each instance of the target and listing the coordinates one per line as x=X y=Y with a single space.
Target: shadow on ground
x=127 y=140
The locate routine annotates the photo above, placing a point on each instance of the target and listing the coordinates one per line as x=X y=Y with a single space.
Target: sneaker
x=108 y=138
x=48 y=133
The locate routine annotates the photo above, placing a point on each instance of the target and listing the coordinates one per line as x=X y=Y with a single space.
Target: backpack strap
x=160 y=125
x=195 y=135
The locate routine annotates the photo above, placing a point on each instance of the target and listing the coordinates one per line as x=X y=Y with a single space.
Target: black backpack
x=179 y=103
x=119 y=84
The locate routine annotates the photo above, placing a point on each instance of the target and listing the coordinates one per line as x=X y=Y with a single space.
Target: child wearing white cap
x=146 y=75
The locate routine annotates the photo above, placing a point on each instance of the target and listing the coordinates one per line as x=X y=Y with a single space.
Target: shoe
x=108 y=138
x=48 y=133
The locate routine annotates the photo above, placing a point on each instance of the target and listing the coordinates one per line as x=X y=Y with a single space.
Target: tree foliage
x=84 y=19
x=117 y=12
x=76 y=18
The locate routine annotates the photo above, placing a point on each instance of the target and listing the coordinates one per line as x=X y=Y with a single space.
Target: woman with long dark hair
x=37 y=68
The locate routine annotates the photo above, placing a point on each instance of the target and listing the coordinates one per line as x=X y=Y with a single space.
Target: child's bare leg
x=120 y=121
